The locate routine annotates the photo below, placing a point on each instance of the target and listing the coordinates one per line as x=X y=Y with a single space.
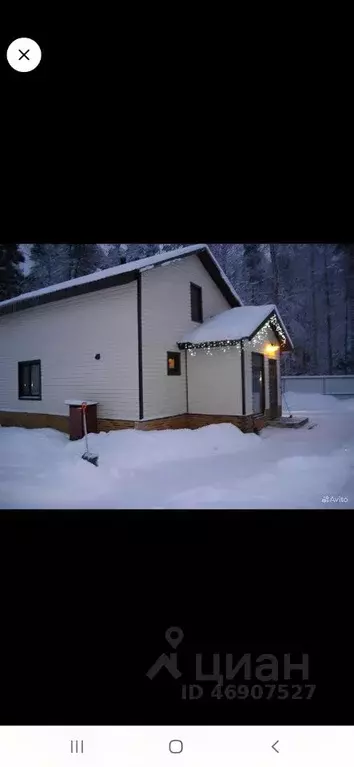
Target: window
x=173 y=363
x=29 y=380
x=257 y=383
x=196 y=303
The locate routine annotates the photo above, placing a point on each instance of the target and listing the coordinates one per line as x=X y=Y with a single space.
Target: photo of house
x=176 y=376
x=163 y=342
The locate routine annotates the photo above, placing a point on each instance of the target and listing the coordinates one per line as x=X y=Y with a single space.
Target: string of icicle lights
x=226 y=345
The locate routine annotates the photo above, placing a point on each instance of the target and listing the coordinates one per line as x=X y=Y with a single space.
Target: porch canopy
x=234 y=325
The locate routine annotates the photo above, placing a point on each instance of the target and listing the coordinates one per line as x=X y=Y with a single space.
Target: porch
x=233 y=368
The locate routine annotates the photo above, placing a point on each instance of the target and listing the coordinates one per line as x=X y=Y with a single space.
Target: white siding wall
x=65 y=336
x=166 y=317
x=259 y=347
x=214 y=382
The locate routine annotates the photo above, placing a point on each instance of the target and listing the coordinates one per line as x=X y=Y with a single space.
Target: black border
x=89 y=596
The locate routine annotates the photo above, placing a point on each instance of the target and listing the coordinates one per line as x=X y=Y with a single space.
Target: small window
x=173 y=363
x=29 y=380
x=196 y=303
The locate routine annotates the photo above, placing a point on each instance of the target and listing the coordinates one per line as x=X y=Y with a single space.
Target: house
x=163 y=342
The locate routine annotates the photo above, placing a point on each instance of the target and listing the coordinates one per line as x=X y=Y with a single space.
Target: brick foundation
x=246 y=423
x=197 y=420
x=59 y=422
x=35 y=420
x=171 y=422
x=111 y=424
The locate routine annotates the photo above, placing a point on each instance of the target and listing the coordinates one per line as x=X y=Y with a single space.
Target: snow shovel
x=87 y=456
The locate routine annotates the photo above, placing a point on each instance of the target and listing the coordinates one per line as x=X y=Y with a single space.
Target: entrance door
x=273 y=389
x=258 y=398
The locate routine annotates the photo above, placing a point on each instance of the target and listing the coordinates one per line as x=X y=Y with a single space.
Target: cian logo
x=174 y=636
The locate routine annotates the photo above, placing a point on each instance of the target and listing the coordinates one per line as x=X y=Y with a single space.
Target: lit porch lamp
x=271 y=349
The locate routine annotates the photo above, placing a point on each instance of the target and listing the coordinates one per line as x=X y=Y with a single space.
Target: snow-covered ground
x=210 y=468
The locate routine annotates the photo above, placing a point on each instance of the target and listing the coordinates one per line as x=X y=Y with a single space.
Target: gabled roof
x=120 y=275
x=236 y=324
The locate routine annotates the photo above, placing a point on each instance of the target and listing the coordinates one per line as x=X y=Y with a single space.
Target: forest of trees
x=312 y=285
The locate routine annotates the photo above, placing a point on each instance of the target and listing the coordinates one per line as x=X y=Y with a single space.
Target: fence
x=337 y=386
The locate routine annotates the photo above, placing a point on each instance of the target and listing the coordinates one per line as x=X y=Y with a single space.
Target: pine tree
x=346 y=254
x=111 y=255
x=328 y=310
x=253 y=258
x=172 y=246
x=11 y=276
x=148 y=249
x=134 y=251
x=48 y=266
x=83 y=259
x=314 y=306
x=274 y=257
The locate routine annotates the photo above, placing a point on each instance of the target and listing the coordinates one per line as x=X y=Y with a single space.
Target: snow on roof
x=140 y=264
x=80 y=402
x=232 y=325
